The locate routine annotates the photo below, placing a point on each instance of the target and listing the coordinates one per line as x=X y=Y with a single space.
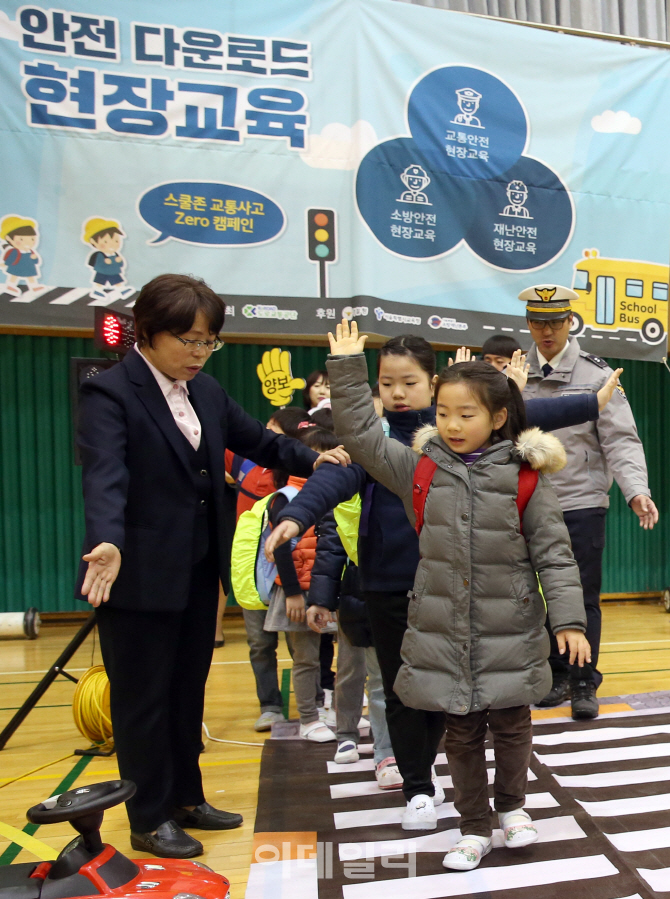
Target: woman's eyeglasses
x=210 y=345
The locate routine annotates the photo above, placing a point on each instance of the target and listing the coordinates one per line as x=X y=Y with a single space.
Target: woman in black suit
x=152 y=435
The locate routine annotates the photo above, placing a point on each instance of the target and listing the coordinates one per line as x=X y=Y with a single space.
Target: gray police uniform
x=597 y=452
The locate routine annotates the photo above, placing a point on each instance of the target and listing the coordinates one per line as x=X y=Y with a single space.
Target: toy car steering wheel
x=90 y=800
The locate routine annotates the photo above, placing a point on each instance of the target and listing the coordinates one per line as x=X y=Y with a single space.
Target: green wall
x=40 y=500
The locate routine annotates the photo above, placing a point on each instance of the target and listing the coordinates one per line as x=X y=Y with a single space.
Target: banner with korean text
x=409 y=167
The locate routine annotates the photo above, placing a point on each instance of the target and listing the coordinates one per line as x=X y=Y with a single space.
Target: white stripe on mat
x=636 y=805
x=284 y=879
x=369 y=764
x=371 y=817
x=639 y=840
x=593 y=756
x=613 y=778
x=600 y=735
x=370 y=787
x=657 y=878
x=550 y=830
x=485 y=880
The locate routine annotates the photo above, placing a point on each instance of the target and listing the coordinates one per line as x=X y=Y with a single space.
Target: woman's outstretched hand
x=347 y=341
x=103 y=568
x=283 y=532
x=337 y=456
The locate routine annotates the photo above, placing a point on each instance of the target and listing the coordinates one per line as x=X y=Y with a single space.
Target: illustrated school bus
x=620 y=295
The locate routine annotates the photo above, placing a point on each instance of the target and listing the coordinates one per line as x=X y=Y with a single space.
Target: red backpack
x=423 y=477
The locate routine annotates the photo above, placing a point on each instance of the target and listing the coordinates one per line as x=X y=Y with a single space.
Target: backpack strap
x=528 y=479
x=423 y=476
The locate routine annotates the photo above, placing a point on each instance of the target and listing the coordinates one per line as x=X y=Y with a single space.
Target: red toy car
x=87 y=867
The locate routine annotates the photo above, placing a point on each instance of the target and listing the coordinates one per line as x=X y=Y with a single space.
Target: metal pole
x=48 y=679
x=323 y=283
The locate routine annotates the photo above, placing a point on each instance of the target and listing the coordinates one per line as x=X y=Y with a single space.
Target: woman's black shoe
x=169 y=841
x=205 y=817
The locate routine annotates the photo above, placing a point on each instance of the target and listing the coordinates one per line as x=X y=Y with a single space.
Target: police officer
x=597 y=451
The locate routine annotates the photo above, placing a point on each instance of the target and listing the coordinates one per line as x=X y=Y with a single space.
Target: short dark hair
x=323 y=418
x=500 y=345
x=105 y=231
x=494 y=390
x=170 y=303
x=410 y=345
x=288 y=419
x=318 y=439
x=312 y=378
x=315 y=438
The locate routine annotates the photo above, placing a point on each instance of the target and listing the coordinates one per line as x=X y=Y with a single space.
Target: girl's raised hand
x=463 y=354
x=607 y=390
x=517 y=369
x=576 y=643
x=347 y=342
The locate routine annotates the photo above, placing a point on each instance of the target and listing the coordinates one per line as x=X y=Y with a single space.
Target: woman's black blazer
x=138 y=481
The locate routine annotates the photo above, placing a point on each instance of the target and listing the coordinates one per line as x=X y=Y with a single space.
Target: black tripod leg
x=48 y=679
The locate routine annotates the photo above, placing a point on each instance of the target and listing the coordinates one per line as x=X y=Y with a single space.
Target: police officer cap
x=548 y=301
x=415 y=171
x=468 y=93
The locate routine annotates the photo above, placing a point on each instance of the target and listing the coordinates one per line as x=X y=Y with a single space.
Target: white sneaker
x=419 y=814
x=317 y=732
x=518 y=828
x=388 y=776
x=438 y=797
x=328 y=717
x=347 y=752
x=266 y=720
x=467 y=853
x=363 y=724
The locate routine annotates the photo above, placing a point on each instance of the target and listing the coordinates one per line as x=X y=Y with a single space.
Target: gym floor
x=635 y=659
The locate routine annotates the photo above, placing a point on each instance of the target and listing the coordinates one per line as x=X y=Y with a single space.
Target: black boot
x=560 y=691
x=584 y=699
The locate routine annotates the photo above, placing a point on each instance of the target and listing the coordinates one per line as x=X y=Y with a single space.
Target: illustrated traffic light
x=113 y=331
x=321 y=242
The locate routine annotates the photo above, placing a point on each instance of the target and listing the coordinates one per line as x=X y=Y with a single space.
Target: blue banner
x=410 y=167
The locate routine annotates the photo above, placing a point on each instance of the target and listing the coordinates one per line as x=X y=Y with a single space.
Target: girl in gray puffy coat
x=475 y=647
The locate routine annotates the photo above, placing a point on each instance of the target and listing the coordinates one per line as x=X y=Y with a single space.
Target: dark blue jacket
x=140 y=491
x=335 y=584
x=388 y=548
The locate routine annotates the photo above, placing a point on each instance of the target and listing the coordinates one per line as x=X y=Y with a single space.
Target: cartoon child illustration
x=415 y=180
x=21 y=261
x=109 y=280
x=468 y=103
x=517 y=194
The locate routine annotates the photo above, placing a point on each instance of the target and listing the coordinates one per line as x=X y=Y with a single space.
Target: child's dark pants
x=464 y=744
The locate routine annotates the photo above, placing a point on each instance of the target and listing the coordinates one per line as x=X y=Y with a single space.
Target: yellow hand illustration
x=274 y=373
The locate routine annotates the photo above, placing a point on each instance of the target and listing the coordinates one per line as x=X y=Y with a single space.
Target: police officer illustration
x=468 y=103
x=598 y=452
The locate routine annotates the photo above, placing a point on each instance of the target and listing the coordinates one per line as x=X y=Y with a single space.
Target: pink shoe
x=387 y=774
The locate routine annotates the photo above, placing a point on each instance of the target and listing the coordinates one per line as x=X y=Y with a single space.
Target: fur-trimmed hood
x=542 y=451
